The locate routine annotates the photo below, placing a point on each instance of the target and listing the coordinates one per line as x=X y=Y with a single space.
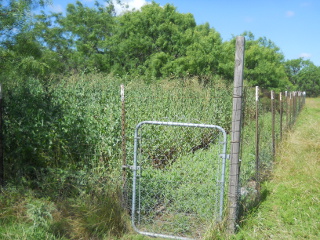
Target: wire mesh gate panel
x=178 y=178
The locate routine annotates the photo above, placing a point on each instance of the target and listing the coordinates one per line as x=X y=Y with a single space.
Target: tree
x=161 y=42
x=19 y=53
x=203 y=54
x=308 y=79
x=293 y=68
x=80 y=38
x=150 y=38
x=13 y=14
x=263 y=63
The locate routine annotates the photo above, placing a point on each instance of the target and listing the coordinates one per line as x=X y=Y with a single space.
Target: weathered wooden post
x=235 y=135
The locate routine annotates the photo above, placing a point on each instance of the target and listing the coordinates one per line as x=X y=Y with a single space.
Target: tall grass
x=63 y=149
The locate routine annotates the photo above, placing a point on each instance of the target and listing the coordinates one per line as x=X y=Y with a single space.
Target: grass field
x=291 y=206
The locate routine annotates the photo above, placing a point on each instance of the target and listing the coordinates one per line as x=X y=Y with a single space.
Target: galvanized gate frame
x=135 y=168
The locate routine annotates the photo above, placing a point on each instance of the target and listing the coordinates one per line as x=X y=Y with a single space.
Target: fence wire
x=267 y=117
x=178 y=185
x=179 y=178
x=64 y=132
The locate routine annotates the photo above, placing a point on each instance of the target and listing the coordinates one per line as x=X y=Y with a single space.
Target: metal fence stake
x=273 y=125
x=257 y=142
x=281 y=114
x=124 y=151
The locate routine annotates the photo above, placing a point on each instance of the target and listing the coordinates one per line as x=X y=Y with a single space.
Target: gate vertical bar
x=222 y=180
x=124 y=150
x=235 y=135
x=134 y=182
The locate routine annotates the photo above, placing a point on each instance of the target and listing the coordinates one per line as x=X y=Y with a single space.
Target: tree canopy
x=153 y=42
x=304 y=75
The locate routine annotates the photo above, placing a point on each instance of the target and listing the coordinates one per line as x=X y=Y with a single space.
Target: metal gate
x=178 y=179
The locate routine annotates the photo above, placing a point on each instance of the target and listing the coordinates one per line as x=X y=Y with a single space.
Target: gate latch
x=131 y=167
x=227 y=156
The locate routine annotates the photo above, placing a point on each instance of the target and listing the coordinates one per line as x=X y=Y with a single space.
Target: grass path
x=291 y=209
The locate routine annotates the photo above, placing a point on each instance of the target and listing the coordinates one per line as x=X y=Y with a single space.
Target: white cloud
x=305 y=55
x=129 y=5
x=290 y=13
x=56 y=8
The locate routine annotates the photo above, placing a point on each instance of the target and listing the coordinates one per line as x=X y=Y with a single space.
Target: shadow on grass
x=250 y=205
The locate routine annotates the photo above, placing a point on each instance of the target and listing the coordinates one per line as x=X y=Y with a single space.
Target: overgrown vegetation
x=62 y=127
x=67 y=153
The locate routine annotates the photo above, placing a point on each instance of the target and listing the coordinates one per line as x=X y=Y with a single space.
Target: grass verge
x=292 y=205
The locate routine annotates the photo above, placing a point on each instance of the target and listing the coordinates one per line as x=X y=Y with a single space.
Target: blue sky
x=293 y=25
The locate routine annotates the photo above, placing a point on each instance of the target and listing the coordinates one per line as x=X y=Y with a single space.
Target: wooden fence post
x=235 y=135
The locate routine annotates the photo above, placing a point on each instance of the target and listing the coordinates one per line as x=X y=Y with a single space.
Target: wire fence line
x=267 y=116
x=90 y=125
x=180 y=167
